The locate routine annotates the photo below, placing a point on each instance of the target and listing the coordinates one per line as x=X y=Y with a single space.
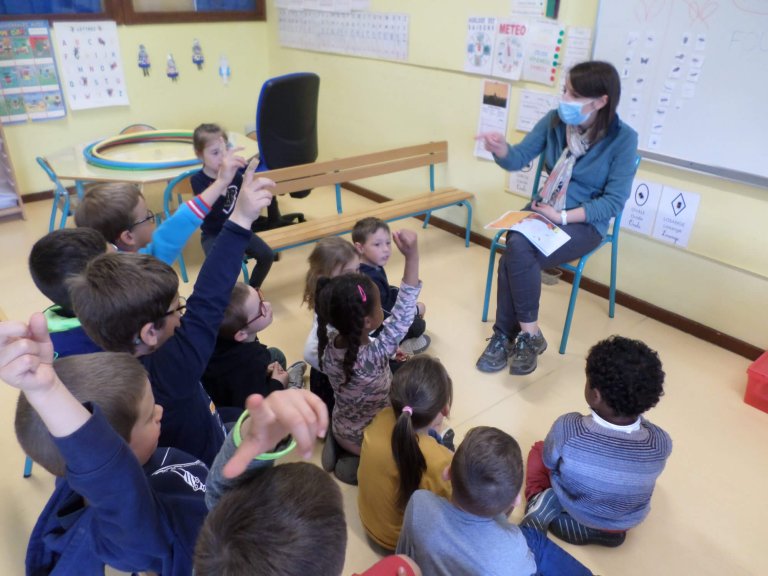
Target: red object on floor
x=757 y=384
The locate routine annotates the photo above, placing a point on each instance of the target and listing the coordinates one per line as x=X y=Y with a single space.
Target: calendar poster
x=90 y=64
x=29 y=81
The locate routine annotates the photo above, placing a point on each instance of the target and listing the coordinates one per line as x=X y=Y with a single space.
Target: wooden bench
x=343 y=170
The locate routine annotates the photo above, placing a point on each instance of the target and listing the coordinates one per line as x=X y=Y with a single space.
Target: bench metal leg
x=27 y=467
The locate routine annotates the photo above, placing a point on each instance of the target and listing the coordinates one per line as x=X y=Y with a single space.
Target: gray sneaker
x=525 y=353
x=415 y=345
x=296 y=374
x=496 y=353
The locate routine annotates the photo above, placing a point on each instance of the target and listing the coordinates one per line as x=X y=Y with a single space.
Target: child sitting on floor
x=373 y=242
x=241 y=365
x=330 y=257
x=54 y=258
x=120 y=501
x=592 y=478
x=212 y=148
x=470 y=533
x=271 y=521
x=130 y=303
x=119 y=211
x=357 y=366
x=398 y=455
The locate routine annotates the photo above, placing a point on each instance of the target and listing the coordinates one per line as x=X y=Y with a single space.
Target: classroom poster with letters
x=544 y=49
x=533 y=106
x=29 y=80
x=494 y=111
x=91 y=66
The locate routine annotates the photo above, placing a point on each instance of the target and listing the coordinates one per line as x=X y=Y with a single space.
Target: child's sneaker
x=331 y=450
x=415 y=345
x=296 y=374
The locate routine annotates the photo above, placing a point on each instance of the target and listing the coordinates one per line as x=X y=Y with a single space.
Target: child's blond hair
x=328 y=254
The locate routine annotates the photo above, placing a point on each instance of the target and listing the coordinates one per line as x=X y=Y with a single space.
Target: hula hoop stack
x=94 y=153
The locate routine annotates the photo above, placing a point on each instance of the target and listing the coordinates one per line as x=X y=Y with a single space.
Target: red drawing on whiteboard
x=647 y=10
x=701 y=11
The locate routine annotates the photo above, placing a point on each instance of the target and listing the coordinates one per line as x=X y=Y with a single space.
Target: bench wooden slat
x=350 y=174
x=312 y=230
x=330 y=172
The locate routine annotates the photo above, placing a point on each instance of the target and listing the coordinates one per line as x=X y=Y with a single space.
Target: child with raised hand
x=119 y=211
x=330 y=257
x=372 y=240
x=130 y=303
x=92 y=420
x=592 y=478
x=469 y=532
x=212 y=148
x=357 y=366
x=240 y=364
x=398 y=455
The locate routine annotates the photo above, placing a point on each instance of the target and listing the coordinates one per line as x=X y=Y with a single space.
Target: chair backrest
x=179 y=186
x=286 y=121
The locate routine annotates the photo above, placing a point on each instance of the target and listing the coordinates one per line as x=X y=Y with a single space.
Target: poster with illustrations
x=478 y=50
x=90 y=64
x=494 y=112
x=509 y=52
x=29 y=81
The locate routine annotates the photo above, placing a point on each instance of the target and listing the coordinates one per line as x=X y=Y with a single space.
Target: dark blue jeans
x=257 y=249
x=519 y=278
x=550 y=558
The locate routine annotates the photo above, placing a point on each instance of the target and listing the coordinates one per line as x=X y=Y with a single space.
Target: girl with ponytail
x=399 y=456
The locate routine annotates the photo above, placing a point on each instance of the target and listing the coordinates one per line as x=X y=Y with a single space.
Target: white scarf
x=556 y=187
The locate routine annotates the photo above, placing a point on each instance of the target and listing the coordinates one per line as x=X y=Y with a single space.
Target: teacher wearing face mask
x=590 y=156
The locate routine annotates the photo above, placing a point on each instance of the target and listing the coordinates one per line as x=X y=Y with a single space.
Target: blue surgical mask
x=570 y=112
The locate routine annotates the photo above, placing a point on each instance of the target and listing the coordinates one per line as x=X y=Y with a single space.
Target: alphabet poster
x=29 y=82
x=91 y=67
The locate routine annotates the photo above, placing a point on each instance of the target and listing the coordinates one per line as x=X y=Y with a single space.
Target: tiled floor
x=709 y=508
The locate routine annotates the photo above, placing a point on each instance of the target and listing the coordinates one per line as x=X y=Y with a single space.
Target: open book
x=540 y=231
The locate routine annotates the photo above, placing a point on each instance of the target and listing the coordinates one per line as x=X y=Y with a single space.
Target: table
x=70 y=164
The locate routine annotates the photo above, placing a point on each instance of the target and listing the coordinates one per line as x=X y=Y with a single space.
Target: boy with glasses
x=240 y=364
x=119 y=211
x=130 y=303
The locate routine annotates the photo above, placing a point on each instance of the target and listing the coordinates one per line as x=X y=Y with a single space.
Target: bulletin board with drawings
x=693 y=80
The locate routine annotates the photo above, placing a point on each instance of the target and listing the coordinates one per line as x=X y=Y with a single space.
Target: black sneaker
x=525 y=353
x=496 y=353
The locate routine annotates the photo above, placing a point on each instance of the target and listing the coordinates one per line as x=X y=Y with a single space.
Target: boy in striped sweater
x=593 y=476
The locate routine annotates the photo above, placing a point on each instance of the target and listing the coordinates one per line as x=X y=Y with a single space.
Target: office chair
x=577 y=269
x=286 y=130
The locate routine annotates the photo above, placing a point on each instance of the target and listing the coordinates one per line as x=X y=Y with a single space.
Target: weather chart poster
x=90 y=64
x=29 y=82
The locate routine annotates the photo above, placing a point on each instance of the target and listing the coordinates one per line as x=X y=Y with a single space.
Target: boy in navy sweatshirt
x=92 y=421
x=130 y=303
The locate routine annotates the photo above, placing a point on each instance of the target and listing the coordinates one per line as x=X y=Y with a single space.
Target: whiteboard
x=694 y=82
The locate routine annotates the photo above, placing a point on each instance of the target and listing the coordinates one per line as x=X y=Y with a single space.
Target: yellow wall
x=721 y=280
x=197 y=96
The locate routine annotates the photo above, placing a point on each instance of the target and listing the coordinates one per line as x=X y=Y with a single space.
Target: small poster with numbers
x=91 y=67
x=29 y=82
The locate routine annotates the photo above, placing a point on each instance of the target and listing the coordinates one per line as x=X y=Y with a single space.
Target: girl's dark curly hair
x=627 y=373
x=344 y=302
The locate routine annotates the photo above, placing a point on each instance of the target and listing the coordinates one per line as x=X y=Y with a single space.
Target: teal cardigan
x=601 y=180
